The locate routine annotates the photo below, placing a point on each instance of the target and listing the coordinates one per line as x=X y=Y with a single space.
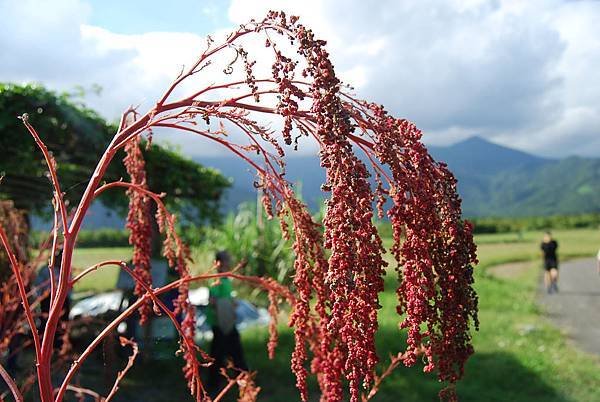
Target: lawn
x=519 y=355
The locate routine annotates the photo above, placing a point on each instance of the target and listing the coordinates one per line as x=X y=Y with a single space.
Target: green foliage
x=67 y=129
x=564 y=187
x=105 y=237
x=516 y=343
x=518 y=225
x=259 y=244
x=498 y=181
x=77 y=136
x=505 y=225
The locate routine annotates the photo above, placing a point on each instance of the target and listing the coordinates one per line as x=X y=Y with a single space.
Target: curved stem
x=51 y=168
x=86 y=353
x=94 y=268
x=143 y=299
x=206 y=55
x=11 y=384
x=79 y=391
x=22 y=292
x=122 y=373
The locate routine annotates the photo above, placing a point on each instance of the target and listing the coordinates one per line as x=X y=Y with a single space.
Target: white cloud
x=521 y=73
x=514 y=71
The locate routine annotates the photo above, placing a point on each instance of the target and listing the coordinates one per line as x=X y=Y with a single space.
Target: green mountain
x=567 y=186
x=493 y=180
x=499 y=181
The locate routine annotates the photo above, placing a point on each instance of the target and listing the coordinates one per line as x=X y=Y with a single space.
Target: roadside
x=520 y=356
x=510 y=270
x=575 y=308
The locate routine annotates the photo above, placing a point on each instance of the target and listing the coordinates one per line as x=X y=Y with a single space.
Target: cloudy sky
x=520 y=73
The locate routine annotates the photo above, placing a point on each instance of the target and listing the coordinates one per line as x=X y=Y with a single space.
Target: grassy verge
x=519 y=355
x=495 y=249
x=103 y=279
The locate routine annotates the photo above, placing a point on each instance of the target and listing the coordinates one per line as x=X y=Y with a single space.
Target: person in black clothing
x=221 y=316
x=549 y=247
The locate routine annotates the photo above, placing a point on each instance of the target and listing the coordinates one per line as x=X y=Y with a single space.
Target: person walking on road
x=549 y=247
x=221 y=317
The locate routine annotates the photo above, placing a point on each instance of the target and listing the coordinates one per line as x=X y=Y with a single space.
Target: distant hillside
x=493 y=180
x=567 y=186
x=498 y=181
x=304 y=171
x=479 y=157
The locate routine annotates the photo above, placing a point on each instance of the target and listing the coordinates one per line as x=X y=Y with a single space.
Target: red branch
x=339 y=268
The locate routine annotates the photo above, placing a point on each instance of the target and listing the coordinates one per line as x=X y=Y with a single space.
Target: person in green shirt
x=220 y=315
x=220 y=289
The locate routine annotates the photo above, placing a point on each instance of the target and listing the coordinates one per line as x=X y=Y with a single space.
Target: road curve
x=576 y=307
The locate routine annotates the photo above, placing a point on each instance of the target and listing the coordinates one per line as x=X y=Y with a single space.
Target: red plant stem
x=79 y=390
x=133 y=307
x=53 y=257
x=231 y=84
x=220 y=141
x=263 y=109
x=226 y=389
x=254 y=141
x=395 y=362
x=122 y=373
x=70 y=237
x=94 y=268
x=169 y=313
x=107 y=330
x=307 y=124
x=11 y=384
x=207 y=54
x=136 y=127
x=227 y=144
x=228 y=103
x=155 y=196
x=22 y=293
x=51 y=167
x=375 y=166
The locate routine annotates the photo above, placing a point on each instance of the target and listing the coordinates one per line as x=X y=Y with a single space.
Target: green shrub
x=260 y=245
x=92 y=238
x=505 y=225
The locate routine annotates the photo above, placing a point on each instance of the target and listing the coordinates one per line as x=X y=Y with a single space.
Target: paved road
x=576 y=308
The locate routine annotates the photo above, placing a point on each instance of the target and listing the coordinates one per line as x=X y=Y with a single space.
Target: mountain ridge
x=493 y=180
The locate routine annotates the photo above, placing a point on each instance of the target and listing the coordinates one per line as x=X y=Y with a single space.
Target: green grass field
x=519 y=355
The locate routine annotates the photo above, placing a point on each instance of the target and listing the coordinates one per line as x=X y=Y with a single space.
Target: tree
x=77 y=136
x=338 y=268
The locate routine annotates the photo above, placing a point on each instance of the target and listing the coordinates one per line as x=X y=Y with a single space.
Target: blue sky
x=136 y=17
x=520 y=73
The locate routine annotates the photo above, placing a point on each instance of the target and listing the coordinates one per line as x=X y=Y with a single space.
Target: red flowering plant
x=338 y=267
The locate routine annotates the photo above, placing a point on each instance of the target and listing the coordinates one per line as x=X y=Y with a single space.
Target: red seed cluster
x=310 y=267
x=436 y=255
x=139 y=222
x=339 y=266
x=14 y=224
x=352 y=277
x=177 y=255
x=433 y=247
x=374 y=163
